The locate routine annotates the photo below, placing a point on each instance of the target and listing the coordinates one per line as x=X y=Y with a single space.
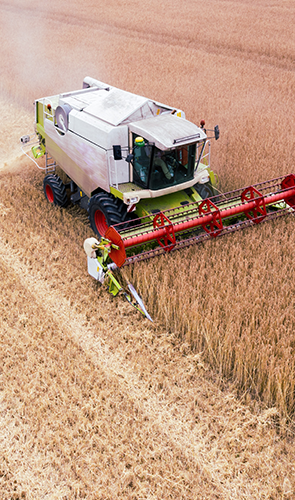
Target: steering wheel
x=172 y=161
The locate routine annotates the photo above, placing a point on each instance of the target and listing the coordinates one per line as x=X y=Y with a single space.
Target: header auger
x=143 y=173
x=215 y=216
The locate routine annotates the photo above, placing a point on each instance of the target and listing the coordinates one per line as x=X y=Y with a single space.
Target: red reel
x=288 y=183
x=258 y=212
x=167 y=241
x=215 y=226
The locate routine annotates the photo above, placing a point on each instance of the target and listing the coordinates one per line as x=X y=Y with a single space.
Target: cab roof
x=168 y=131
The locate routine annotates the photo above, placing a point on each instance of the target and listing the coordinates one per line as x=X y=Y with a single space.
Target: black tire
x=104 y=212
x=204 y=190
x=55 y=190
x=122 y=209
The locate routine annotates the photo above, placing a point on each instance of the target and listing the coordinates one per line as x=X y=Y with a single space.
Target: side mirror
x=117 y=151
x=129 y=158
x=216 y=132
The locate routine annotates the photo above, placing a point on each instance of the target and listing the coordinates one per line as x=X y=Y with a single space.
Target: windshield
x=156 y=169
x=172 y=167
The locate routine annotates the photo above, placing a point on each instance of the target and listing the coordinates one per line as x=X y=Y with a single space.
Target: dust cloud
x=40 y=55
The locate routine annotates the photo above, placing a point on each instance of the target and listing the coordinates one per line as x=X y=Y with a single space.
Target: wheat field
x=95 y=401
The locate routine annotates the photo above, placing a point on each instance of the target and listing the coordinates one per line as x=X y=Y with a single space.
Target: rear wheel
x=55 y=190
x=104 y=212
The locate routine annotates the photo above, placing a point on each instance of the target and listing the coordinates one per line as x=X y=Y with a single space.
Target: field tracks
x=170 y=419
x=178 y=421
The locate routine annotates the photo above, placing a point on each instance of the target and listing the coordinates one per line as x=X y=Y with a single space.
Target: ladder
x=50 y=164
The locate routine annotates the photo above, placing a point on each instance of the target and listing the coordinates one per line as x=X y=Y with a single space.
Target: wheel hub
x=100 y=222
x=49 y=193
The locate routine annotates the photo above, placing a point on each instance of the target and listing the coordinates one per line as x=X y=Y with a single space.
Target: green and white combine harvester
x=143 y=173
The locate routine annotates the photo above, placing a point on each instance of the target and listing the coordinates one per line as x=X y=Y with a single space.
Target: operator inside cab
x=157 y=169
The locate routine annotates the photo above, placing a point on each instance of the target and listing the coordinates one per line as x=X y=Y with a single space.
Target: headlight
x=131 y=201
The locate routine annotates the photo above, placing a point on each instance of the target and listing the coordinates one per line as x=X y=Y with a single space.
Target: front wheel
x=204 y=190
x=55 y=190
x=103 y=213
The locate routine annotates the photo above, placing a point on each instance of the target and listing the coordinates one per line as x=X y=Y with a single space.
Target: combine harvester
x=143 y=173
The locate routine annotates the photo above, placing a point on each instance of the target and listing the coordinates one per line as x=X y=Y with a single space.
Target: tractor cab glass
x=172 y=167
x=142 y=153
x=155 y=169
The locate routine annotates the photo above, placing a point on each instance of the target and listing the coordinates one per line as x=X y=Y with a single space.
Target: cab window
x=141 y=163
x=172 y=167
x=155 y=169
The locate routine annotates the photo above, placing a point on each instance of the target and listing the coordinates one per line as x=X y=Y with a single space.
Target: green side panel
x=40 y=130
x=154 y=205
x=41 y=109
x=116 y=193
x=39 y=114
x=213 y=178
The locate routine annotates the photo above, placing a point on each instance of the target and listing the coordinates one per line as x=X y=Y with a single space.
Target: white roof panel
x=168 y=131
x=114 y=106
